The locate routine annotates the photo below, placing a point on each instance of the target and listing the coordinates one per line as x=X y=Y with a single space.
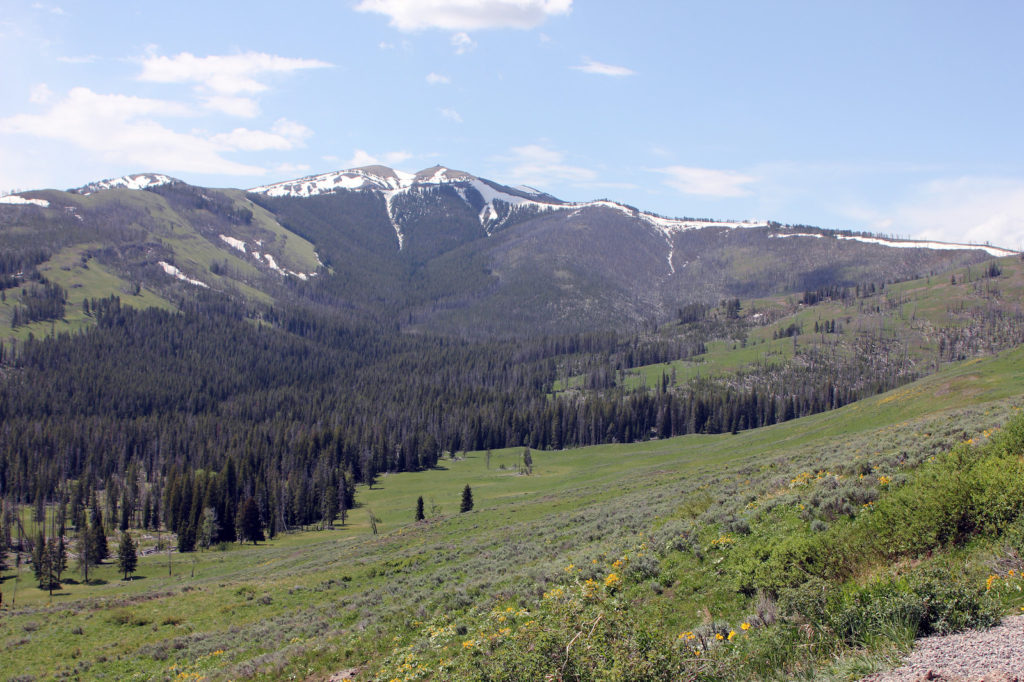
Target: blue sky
x=897 y=117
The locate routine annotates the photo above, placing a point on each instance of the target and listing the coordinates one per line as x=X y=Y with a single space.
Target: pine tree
x=38 y=556
x=146 y=511
x=98 y=536
x=467 y=499
x=85 y=558
x=44 y=563
x=5 y=541
x=127 y=559
x=249 y=525
x=527 y=461
x=419 y=508
x=60 y=558
x=97 y=540
x=126 y=511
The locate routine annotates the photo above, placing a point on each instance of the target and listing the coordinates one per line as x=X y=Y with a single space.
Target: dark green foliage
x=5 y=540
x=935 y=601
x=97 y=538
x=47 y=562
x=38 y=303
x=970 y=492
x=467 y=499
x=419 y=508
x=250 y=527
x=127 y=559
x=207 y=390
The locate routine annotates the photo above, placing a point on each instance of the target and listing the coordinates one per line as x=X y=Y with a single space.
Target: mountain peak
x=374 y=177
x=136 y=181
x=440 y=174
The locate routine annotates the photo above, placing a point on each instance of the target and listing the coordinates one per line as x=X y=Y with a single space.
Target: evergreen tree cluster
x=220 y=426
x=39 y=302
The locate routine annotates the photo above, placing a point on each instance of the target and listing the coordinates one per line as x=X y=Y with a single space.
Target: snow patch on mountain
x=175 y=272
x=489 y=214
x=23 y=201
x=138 y=181
x=233 y=243
x=795 y=234
x=272 y=263
x=392 y=183
x=367 y=178
x=389 y=199
x=666 y=226
x=939 y=246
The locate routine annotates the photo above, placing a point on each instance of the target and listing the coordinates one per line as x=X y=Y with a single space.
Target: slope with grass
x=454 y=597
x=925 y=323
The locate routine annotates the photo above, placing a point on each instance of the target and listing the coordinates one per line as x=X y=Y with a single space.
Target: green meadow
x=312 y=602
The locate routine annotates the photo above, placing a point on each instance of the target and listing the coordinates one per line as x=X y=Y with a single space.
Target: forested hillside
x=220 y=403
x=191 y=367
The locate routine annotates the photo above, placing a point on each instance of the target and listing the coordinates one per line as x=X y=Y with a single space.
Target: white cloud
x=40 y=94
x=451 y=115
x=291 y=130
x=591 y=66
x=706 y=181
x=225 y=83
x=462 y=43
x=363 y=158
x=386 y=46
x=465 y=15
x=537 y=165
x=222 y=74
x=966 y=209
x=242 y=107
x=251 y=140
x=438 y=79
x=124 y=129
x=284 y=136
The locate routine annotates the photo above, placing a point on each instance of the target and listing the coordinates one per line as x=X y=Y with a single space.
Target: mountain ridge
x=386 y=179
x=442 y=250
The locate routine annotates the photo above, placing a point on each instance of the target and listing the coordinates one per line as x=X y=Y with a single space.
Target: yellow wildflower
x=744 y=626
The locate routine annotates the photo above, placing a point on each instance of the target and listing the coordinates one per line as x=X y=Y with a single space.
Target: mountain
x=439 y=250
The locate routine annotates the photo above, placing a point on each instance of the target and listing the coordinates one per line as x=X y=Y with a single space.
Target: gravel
x=994 y=655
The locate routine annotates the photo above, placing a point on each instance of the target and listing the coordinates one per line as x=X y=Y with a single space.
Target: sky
x=902 y=118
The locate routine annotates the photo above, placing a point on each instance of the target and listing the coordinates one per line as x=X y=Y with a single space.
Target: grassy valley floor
x=658 y=528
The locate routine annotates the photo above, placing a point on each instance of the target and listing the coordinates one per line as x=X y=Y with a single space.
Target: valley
x=676 y=432
x=315 y=602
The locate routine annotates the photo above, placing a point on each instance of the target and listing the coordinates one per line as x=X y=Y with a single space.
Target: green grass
x=81 y=280
x=194 y=253
x=308 y=603
x=911 y=311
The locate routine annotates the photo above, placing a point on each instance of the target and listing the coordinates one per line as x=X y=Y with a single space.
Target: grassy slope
x=194 y=254
x=81 y=281
x=308 y=603
x=910 y=311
